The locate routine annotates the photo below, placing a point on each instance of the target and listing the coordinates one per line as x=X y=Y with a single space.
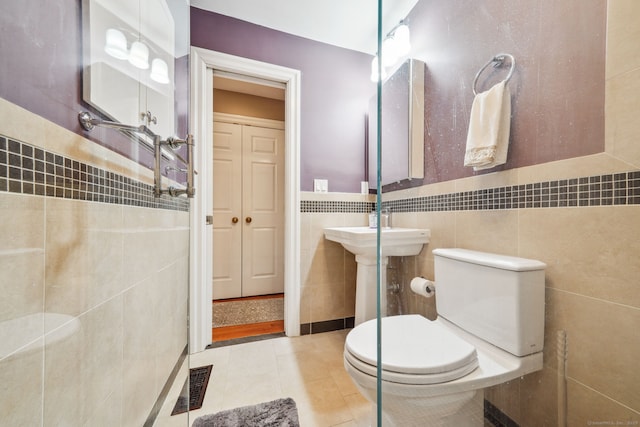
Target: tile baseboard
x=327 y=326
x=496 y=417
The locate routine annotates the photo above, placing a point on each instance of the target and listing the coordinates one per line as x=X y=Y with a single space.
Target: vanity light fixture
x=395 y=47
x=116 y=46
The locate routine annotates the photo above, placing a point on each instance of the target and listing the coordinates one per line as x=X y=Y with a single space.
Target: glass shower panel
x=93 y=318
x=166 y=94
x=523 y=208
x=381 y=284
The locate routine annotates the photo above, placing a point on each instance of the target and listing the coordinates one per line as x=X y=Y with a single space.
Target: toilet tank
x=495 y=297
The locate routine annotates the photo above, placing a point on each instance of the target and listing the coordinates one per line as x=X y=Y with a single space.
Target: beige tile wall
x=328 y=272
x=593 y=265
x=119 y=272
x=622 y=102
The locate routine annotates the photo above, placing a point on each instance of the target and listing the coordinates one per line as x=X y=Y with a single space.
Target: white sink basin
x=394 y=241
x=362 y=241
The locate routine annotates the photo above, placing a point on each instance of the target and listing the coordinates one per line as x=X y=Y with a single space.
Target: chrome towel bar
x=88 y=122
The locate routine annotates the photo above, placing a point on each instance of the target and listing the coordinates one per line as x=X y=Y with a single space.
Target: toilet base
x=459 y=410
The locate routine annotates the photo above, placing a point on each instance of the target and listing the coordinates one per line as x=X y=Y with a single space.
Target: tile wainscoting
x=83 y=239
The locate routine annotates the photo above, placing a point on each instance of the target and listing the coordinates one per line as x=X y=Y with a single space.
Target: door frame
x=203 y=62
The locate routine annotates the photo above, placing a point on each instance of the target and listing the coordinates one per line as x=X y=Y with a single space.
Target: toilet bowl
x=433 y=372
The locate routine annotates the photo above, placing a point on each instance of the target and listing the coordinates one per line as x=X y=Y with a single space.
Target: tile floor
x=308 y=369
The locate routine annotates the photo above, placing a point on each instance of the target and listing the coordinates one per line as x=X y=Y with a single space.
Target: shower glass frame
x=379 y=284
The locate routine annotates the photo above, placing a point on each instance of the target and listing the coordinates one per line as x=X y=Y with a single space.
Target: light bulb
x=389 y=55
x=159 y=71
x=139 y=55
x=402 y=40
x=116 y=44
x=374 y=70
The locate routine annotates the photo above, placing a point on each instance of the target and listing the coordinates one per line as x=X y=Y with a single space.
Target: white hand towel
x=489 y=126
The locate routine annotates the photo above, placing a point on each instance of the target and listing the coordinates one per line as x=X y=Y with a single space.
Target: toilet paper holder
x=423 y=287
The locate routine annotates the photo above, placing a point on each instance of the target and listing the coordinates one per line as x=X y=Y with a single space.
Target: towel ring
x=497 y=61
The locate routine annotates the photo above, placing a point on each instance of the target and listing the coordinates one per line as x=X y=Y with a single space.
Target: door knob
x=234 y=220
x=248 y=220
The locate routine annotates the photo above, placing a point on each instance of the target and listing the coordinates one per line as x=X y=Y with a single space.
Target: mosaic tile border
x=26 y=169
x=601 y=190
x=323 y=206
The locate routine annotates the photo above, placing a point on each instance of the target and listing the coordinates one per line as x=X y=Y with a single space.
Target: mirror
x=402 y=126
x=129 y=51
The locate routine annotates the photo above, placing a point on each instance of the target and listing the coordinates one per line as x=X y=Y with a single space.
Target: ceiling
x=350 y=24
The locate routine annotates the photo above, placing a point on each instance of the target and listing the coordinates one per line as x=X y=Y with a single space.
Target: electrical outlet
x=320 y=185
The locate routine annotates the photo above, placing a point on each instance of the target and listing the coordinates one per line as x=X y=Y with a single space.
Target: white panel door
x=263 y=208
x=227 y=210
x=248 y=211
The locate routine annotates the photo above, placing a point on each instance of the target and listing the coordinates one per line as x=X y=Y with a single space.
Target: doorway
x=203 y=62
x=248 y=208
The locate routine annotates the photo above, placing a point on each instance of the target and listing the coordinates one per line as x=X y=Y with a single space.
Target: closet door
x=263 y=210
x=248 y=211
x=227 y=210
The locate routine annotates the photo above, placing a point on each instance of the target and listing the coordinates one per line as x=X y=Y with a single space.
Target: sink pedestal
x=362 y=241
x=366 y=277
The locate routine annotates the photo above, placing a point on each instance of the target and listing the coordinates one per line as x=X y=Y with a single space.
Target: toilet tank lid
x=503 y=262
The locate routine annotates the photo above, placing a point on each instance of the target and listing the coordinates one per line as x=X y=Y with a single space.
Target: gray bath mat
x=277 y=413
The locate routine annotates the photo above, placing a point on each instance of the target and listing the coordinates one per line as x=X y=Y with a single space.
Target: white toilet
x=489 y=330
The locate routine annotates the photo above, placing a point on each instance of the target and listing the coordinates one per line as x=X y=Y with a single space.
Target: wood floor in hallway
x=225 y=333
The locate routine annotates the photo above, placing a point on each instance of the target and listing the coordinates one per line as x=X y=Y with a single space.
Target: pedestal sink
x=362 y=241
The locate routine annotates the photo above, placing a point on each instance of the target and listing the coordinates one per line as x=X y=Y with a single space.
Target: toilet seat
x=415 y=350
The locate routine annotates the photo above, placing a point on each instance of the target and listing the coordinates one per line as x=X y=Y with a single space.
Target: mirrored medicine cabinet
x=402 y=127
x=129 y=60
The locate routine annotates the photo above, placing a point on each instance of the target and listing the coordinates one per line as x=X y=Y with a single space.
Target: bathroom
x=114 y=267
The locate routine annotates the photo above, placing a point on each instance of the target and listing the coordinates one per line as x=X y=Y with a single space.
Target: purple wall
x=40 y=47
x=557 y=89
x=334 y=94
